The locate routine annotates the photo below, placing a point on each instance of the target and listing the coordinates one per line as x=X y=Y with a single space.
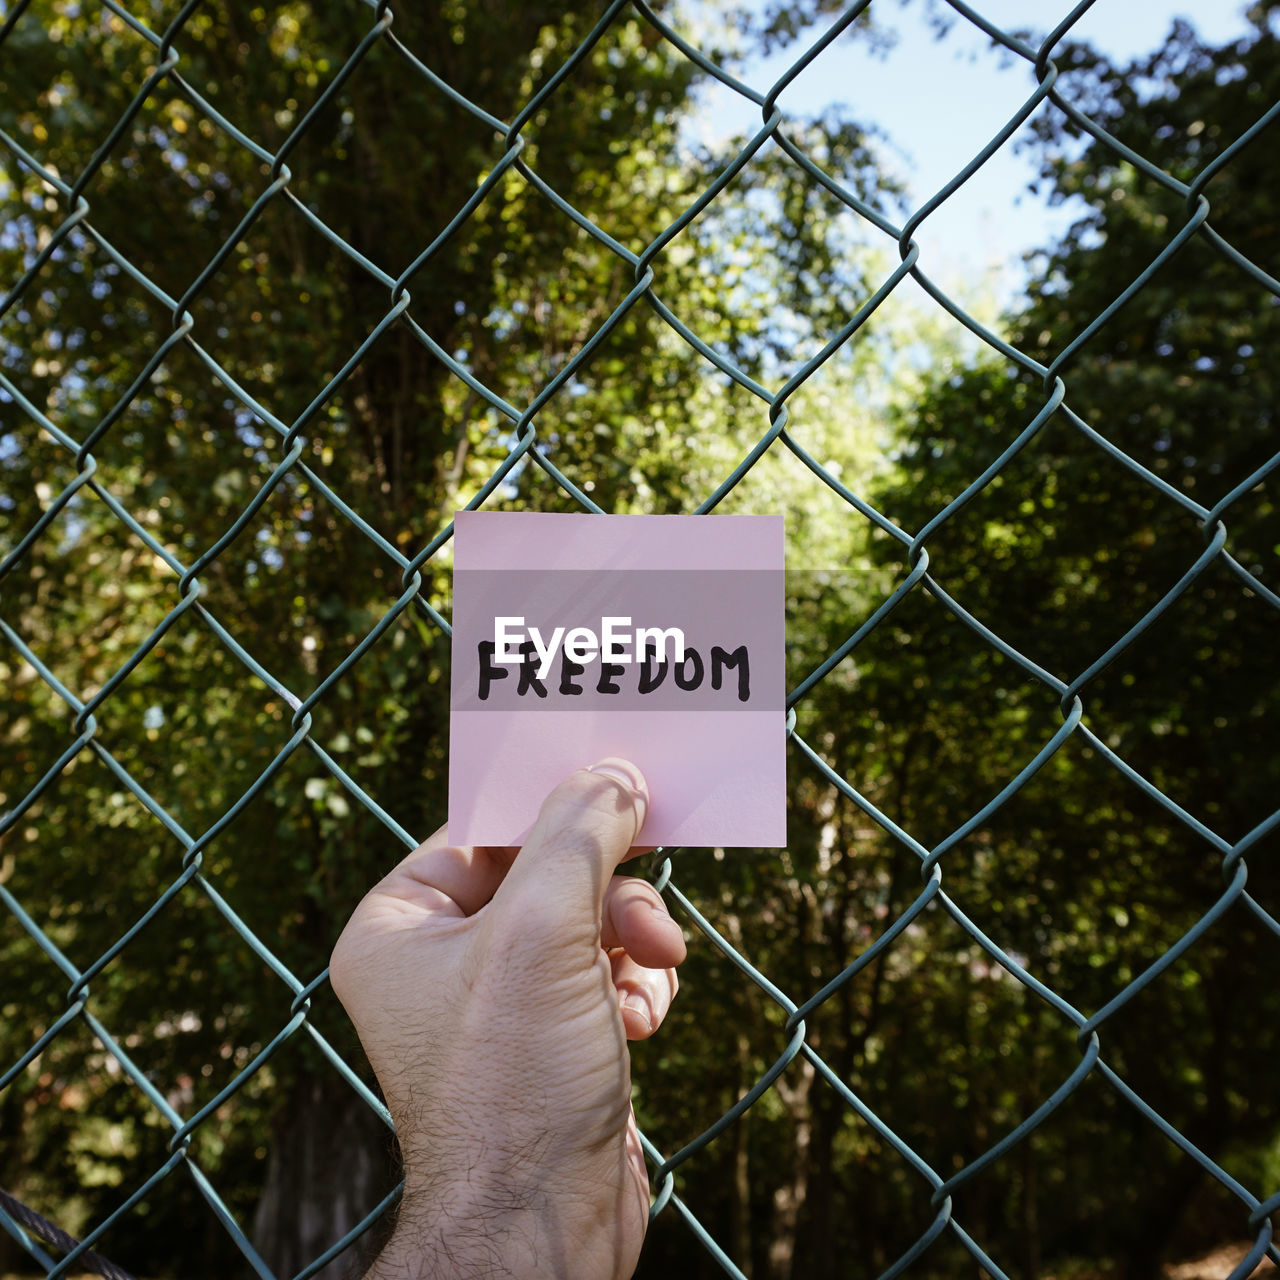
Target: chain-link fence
x=80 y=143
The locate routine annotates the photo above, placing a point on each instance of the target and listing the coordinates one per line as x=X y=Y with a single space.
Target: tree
x=1061 y=554
x=510 y=298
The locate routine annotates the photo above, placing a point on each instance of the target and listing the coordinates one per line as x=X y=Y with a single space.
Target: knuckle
x=340 y=966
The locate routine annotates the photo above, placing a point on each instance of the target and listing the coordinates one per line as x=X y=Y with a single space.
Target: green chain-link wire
x=76 y=198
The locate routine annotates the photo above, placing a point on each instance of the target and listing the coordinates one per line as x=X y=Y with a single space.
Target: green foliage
x=1081 y=877
x=280 y=307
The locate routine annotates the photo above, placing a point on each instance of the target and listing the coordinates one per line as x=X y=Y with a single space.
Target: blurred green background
x=1082 y=876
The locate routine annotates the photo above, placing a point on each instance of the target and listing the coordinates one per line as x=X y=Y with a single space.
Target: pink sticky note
x=670 y=653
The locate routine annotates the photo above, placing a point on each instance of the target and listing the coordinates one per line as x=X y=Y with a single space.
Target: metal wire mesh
x=75 y=193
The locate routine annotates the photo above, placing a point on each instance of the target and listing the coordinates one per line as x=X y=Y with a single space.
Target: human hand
x=494 y=992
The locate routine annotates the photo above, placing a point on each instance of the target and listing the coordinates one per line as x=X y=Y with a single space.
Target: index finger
x=440 y=878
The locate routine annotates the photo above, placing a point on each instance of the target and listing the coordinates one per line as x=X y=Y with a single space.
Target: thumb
x=585 y=828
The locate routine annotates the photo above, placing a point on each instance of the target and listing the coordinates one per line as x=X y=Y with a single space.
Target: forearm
x=444 y=1246
x=488 y=1233
x=488 y=992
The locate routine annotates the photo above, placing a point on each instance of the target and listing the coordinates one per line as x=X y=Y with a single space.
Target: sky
x=940 y=101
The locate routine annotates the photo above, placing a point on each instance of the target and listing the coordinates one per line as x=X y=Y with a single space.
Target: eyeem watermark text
x=616 y=647
x=615 y=643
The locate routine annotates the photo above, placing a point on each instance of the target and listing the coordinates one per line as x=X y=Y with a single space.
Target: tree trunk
x=329 y=1165
x=740 y=1205
x=816 y=1252
x=1143 y=1258
x=789 y=1197
x=1030 y=1212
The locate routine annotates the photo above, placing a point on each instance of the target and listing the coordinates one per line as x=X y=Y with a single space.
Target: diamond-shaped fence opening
x=286 y=286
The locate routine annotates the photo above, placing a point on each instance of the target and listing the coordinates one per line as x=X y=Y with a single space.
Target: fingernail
x=638 y=1004
x=623 y=772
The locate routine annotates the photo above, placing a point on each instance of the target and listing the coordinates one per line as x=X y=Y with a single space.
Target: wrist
x=498 y=1224
x=439 y=1241
x=485 y=1232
